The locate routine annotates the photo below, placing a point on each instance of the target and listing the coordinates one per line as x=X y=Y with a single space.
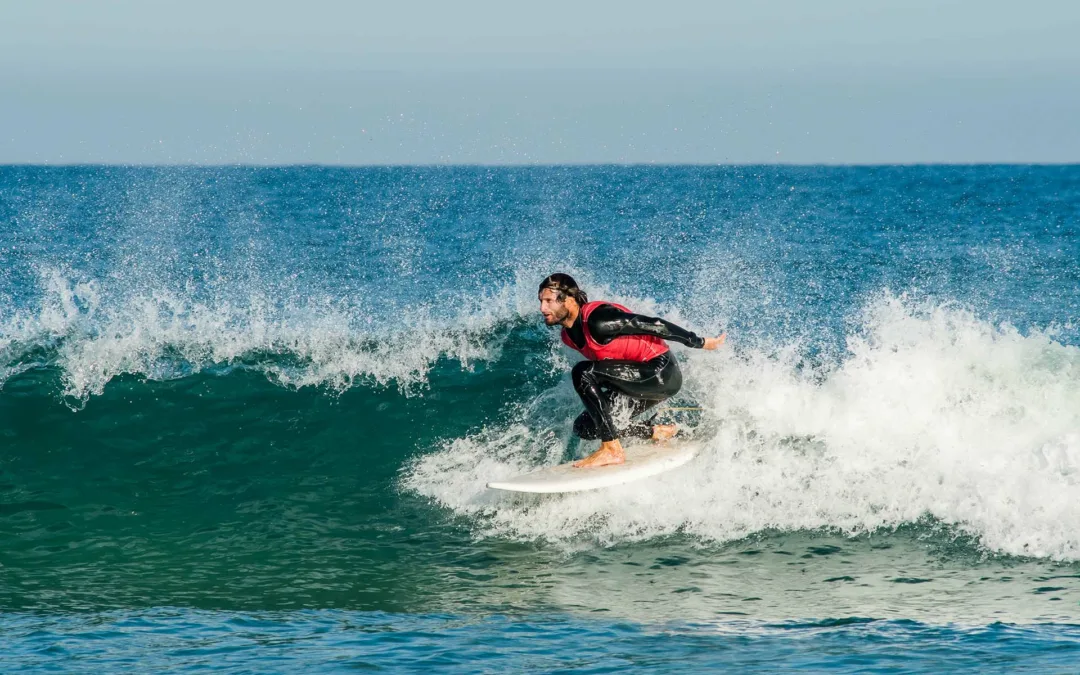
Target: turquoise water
x=247 y=417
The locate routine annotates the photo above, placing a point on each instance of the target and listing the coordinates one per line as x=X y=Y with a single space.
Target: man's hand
x=714 y=343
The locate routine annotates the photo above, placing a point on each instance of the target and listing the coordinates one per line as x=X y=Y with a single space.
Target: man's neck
x=575 y=312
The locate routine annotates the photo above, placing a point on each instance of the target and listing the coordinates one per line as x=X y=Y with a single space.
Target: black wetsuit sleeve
x=607 y=323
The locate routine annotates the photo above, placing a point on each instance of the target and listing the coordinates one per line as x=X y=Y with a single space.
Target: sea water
x=247 y=416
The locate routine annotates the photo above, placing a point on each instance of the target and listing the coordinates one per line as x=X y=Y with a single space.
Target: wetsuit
x=629 y=365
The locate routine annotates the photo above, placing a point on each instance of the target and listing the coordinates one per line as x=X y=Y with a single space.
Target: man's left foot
x=664 y=432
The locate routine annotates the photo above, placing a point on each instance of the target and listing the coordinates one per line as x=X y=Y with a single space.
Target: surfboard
x=642 y=461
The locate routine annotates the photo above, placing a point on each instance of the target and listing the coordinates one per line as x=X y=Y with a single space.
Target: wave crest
x=166 y=334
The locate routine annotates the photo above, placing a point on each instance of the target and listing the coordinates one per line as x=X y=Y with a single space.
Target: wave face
x=286 y=388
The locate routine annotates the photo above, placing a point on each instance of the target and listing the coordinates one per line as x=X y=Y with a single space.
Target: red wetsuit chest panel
x=622 y=348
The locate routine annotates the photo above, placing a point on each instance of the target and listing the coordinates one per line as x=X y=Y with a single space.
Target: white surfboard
x=642 y=461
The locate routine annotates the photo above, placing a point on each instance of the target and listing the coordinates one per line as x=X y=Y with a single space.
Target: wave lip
x=165 y=334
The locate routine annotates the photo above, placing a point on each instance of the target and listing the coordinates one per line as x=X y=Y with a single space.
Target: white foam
x=931 y=412
x=165 y=333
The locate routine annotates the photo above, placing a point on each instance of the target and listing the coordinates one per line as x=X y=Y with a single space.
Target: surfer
x=627 y=364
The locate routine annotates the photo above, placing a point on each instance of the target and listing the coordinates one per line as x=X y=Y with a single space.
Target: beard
x=557 y=317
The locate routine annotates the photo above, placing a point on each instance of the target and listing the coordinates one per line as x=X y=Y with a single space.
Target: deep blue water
x=247 y=416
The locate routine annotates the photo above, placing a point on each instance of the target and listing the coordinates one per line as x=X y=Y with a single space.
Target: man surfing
x=627 y=364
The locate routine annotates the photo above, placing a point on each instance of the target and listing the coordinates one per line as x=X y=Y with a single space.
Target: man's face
x=553 y=309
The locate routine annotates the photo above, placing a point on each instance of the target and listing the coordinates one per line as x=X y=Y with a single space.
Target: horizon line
x=536 y=165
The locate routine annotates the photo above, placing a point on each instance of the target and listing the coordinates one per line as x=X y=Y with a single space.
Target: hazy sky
x=332 y=81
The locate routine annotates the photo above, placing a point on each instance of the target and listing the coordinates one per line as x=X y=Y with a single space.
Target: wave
x=930 y=415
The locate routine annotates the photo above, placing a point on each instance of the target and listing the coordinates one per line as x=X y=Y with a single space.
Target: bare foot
x=609 y=453
x=664 y=432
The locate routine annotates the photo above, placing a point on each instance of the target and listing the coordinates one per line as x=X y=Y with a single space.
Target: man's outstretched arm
x=607 y=323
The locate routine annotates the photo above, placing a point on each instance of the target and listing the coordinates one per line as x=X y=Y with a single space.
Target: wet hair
x=565 y=286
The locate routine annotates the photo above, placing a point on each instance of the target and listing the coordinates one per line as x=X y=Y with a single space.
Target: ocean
x=247 y=416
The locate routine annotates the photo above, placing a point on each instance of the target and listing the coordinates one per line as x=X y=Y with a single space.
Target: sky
x=479 y=82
